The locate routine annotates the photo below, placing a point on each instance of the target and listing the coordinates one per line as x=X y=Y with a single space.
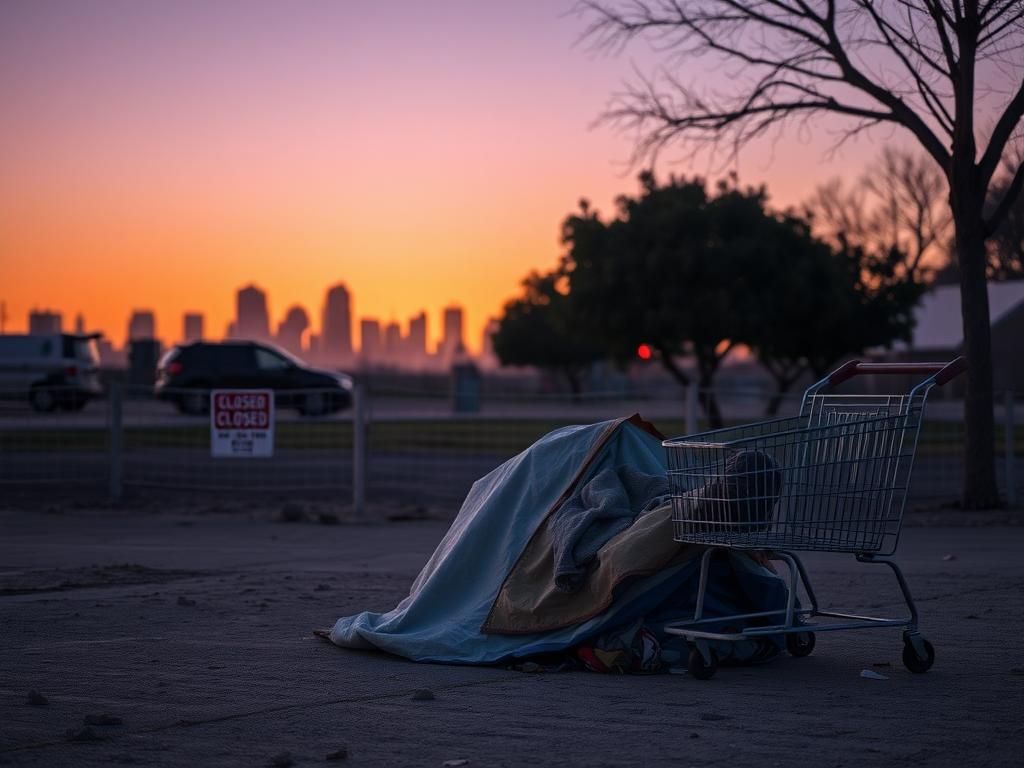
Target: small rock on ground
x=182 y=600
x=282 y=760
x=292 y=513
x=36 y=699
x=338 y=754
x=423 y=694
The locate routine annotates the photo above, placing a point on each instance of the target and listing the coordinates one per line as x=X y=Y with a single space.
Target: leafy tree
x=537 y=329
x=917 y=66
x=664 y=273
x=824 y=305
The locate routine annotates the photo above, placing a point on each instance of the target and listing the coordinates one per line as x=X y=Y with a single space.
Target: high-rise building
x=416 y=341
x=452 y=345
x=336 y=326
x=393 y=343
x=252 y=321
x=45 y=321
x=292 y=328
x=142 y=325
x=488 y=359
x=370 y=346
x=192 y=327
x=80 y=324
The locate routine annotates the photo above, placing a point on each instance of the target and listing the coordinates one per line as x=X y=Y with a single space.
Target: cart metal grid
x=832 y=479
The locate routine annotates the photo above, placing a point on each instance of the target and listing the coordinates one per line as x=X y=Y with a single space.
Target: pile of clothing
x=564 y=557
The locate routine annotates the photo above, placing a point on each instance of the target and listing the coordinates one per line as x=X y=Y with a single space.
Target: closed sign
x=241 y=423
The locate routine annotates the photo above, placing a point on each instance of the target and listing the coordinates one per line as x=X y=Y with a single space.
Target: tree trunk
x=979 y=489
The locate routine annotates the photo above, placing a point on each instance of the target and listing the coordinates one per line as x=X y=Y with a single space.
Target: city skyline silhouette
x=334 y=341
x=157 y=153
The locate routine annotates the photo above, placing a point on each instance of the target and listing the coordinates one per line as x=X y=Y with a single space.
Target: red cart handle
x=942 y=372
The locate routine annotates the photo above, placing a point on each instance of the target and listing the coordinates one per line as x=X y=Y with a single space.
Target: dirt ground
x=187 y=640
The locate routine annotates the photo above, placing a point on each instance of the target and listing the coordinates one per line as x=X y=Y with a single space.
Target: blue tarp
x=441 y=619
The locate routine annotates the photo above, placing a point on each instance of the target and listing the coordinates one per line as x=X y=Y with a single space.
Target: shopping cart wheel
x=915 y=663
x=800 y=644
x=699 y=668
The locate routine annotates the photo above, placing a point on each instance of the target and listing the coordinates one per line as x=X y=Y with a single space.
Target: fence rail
x=393 y=447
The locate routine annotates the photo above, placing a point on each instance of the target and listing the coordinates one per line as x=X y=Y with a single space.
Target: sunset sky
x=162 y=154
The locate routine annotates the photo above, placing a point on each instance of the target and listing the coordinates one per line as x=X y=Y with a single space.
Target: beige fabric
x=528 y=601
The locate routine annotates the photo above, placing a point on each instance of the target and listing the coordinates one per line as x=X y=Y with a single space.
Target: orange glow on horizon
x=162 y=156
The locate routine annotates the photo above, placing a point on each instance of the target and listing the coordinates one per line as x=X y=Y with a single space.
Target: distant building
x=393 y=347
x=313 y=347
x=80 y=324
x=452 y=345
x=110 y=357
x=142 y=325
x=370 y=346
x=252 y=320
x=416 y=341
x=488 y=359
x=192 y=327
x=292 y=329
x=44 y=321
x=939 y=334
x=336 y=326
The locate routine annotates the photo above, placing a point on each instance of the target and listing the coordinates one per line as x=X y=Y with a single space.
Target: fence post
x=359 y=449
x=114 y=418
x=1009 y=449
x=691 y=409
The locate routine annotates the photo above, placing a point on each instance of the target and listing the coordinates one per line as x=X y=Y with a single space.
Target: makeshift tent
x=488 y=593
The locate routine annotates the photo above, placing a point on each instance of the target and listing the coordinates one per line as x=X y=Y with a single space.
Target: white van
x=58 y=370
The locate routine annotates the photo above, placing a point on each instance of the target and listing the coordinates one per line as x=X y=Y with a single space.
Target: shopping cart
x=833 y=479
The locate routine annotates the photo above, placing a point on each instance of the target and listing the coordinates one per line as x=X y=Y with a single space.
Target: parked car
x=59 y=370
x=186 y=374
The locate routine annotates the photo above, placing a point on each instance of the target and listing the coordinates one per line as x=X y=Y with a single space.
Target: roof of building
x=938 y=323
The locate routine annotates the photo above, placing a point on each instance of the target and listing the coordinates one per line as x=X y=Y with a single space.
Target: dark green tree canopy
x=538 y=329
x=692 y=273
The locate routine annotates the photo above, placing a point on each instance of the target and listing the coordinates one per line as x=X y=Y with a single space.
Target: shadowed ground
x=196 y=632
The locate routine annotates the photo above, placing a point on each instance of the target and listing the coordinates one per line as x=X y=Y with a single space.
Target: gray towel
x=604 y=506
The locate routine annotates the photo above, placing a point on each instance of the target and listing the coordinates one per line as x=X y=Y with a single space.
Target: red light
x=71 y=371
x=644 y=352
x=174 y=368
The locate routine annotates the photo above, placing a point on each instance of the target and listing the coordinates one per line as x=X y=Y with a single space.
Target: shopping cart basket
x=833 y=479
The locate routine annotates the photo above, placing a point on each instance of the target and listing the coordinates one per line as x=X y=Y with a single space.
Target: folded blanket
x=602 y=508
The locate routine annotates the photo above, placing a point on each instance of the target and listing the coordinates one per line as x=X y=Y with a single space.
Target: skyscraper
x=488 y=359
x=393 y=343
x=292 y=328
x=252 y=321
x=369 y=341
x=416 y=342
x=452 y=345
x=192 y=327
x=44 y=321
x=336 y=326
x=142 y=325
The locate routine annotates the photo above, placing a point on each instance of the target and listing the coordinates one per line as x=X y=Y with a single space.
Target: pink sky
x=161 y=155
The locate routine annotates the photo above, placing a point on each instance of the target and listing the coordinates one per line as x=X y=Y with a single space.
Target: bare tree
x=900 y=204
x=908 y=63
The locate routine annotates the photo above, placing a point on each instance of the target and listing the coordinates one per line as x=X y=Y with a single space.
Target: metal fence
x=394 y=449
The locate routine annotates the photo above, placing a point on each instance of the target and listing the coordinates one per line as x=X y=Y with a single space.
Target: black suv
x=187 y=372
